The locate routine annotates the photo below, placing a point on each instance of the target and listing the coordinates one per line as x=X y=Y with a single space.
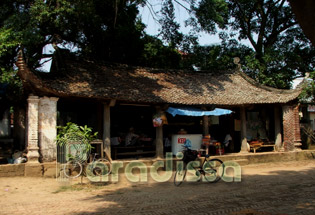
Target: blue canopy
x=189 y=111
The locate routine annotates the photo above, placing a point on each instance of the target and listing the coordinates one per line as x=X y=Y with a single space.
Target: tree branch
x=262 y=29
x=183 y=6
x=273 y=36
x=281 y=4
x=116 y=12
x=41 y=64
x=247 y=28
x=152 y=11
x=47 y=55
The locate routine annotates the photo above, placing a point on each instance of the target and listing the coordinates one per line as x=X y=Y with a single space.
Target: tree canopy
x=104 y=30
x=111 y=30
x=281 y=50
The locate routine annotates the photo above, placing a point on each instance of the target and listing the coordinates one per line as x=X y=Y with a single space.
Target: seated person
x=227 y=140
x=131 y=137
x=115 y=141
x=182 y=131
x=167 y=144
x=228 y=145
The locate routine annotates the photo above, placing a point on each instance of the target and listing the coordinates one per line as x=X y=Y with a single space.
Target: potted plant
x=76 y=140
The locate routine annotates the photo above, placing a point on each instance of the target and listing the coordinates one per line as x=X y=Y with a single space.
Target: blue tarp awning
x=189 y=111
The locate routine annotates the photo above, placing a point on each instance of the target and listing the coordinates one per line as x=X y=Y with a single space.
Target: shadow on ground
x=270 y=192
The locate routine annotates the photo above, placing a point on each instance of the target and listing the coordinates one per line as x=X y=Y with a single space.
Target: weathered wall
x=47 y=122
x=32 y=129
x=41 y=128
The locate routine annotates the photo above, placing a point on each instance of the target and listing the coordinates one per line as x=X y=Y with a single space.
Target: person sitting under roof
x=131 y=137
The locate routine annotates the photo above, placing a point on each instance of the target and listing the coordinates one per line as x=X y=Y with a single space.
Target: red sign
x=311 y=108
x=181 y=140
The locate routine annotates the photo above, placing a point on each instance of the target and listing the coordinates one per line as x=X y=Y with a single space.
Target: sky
x=181 y=15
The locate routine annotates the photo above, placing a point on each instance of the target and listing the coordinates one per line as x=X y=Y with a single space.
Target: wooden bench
x=132 y=150
x=258 y=146
x=136 y=153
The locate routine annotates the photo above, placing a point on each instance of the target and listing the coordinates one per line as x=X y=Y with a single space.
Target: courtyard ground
x=270 y=188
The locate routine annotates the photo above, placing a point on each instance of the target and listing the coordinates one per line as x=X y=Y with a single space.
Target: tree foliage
x=308 y=92
x=281 y=50
x=218 y=57
x=111 y=30
x=95 y=28
x=104 y=30
x=169 y=27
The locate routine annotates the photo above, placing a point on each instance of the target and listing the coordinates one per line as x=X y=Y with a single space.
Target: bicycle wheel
x=212 y=171
x=72 y=169
x=102 y=167
x=180 y=176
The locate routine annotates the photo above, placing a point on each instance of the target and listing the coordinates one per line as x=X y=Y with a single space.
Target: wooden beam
x=244 y=147
x=205 y=122
x=278 y=136
x=106 y=130
x=112 y=102
x=159 y=137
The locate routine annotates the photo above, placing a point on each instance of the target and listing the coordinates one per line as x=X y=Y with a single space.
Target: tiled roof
x=87 y=79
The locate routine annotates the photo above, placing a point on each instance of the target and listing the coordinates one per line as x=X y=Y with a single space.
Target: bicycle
x=76 y=165
x=101 y=166
x=209 y=168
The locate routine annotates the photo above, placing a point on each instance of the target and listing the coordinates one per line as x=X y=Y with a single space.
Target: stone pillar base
x=280 y=149
x=32 y=155
x=245 y=146
x=298 y=146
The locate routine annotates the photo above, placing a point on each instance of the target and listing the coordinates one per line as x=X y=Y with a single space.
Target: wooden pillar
x=205 y=125
x=106 y=130
x=100 y=110
x=159 y=137
x=244 y=148
x=278 y=136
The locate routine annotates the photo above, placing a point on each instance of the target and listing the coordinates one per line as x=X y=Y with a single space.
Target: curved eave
x=234 y=88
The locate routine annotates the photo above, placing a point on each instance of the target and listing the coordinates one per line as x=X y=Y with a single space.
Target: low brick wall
x=268 y=157
x=29 y=170
x=49 y=169
x=9 y=170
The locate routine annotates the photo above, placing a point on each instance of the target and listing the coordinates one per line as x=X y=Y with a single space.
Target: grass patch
x=80 y=187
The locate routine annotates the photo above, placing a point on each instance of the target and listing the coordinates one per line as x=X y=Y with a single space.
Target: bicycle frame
x=209 y=168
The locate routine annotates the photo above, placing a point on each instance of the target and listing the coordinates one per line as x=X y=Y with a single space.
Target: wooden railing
x=308 y=132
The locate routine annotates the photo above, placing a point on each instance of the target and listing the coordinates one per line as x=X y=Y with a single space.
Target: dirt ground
x=271 y=188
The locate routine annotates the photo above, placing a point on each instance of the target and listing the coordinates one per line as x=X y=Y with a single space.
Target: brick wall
x=291 y=128
x=29 y=170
